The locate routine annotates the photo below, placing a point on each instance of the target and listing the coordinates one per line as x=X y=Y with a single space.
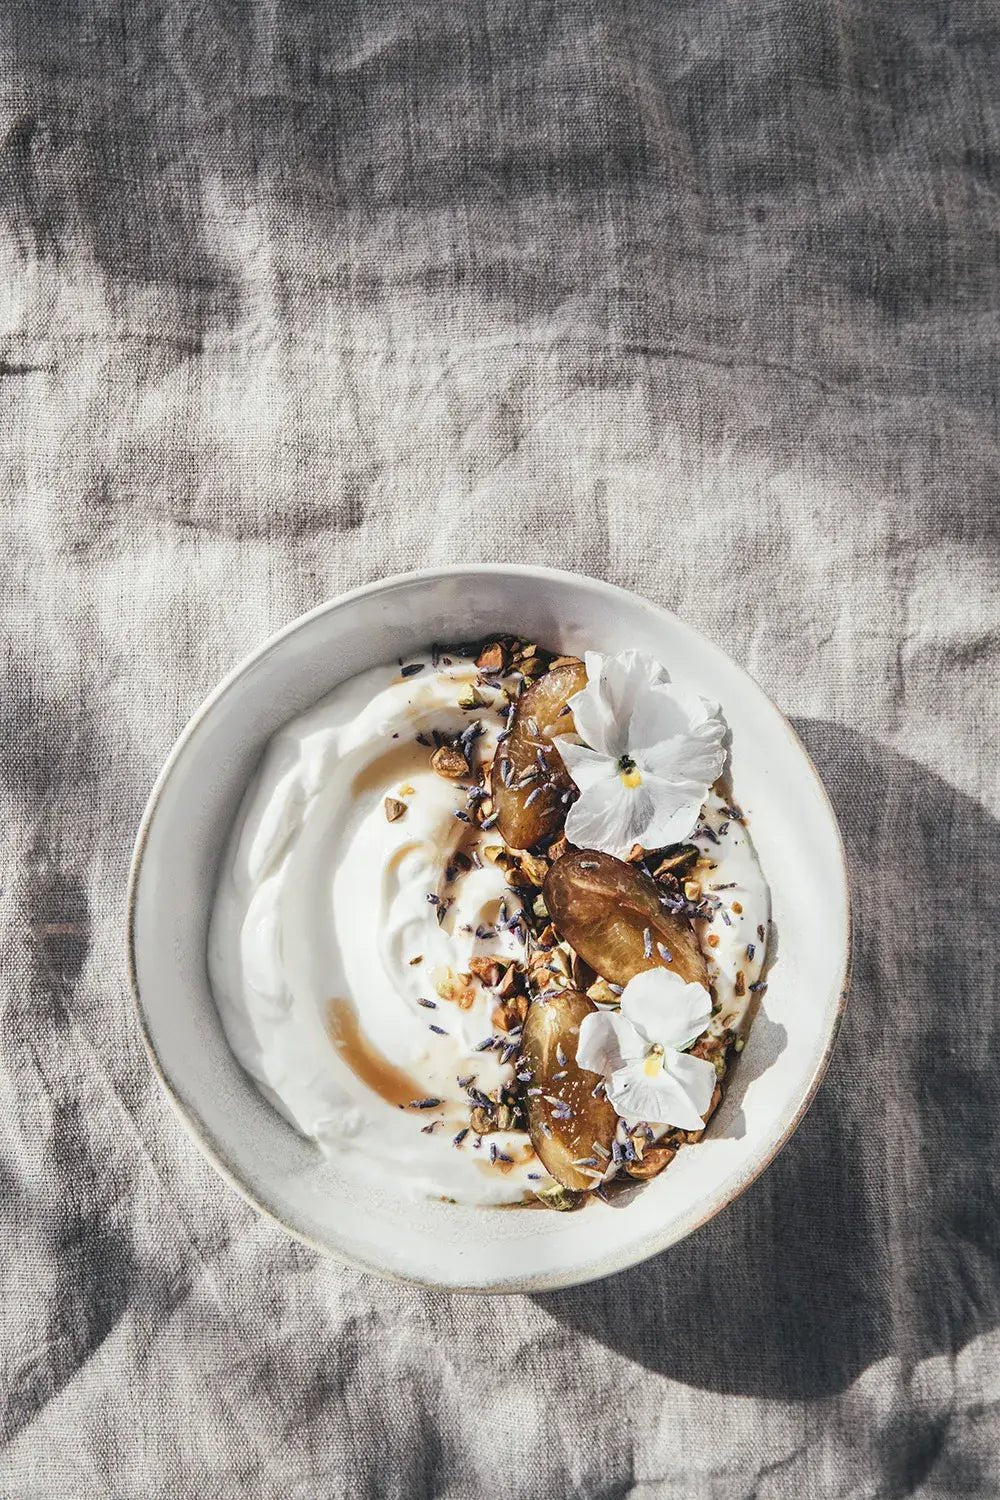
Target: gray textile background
x=700 y=296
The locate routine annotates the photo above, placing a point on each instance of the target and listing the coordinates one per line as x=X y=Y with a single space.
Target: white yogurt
x=322 y=927
x=323 y=941
x=734 y=941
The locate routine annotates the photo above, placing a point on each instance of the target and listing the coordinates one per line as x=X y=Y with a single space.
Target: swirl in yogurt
x=334 y=926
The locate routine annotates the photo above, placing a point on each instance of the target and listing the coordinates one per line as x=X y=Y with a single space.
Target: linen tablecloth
x=700 y=296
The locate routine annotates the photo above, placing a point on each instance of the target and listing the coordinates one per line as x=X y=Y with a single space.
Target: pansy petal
x=586 y=766
x=664 y=1008
x=691 y=764
x=634 y=1094
x=607 y=1041
x=626 y=677
x=593 y=714
x=609 y=816
x=673 y=812
x=665 y=711
x=603 y=709
x=678 y=736
x=678 y=1095
x=696 y=1078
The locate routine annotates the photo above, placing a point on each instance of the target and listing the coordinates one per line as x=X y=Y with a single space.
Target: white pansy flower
x=650 y=752
x=640 y=1050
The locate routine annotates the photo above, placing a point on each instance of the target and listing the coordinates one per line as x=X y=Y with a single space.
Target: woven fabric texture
x=700 y=296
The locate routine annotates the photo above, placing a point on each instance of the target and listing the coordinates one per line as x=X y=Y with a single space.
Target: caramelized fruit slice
x=604 y=908
x=564 y=1133
x=528 y=761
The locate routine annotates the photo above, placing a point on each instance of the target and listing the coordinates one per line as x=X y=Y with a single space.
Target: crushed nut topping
x=490 y=970
x=454 y=987
x=493 y=659
x=450 y=763
x=651 y=1162
x=533 y=868
x=602 y=993
x=510 y=983
x=510 y=1014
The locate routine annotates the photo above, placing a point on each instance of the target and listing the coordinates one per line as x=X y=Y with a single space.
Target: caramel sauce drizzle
x=388 y=771
x=365 y=1061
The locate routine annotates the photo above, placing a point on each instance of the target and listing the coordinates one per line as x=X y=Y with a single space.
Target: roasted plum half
x=611 y=914
x=565 y=1120
x=530 y=784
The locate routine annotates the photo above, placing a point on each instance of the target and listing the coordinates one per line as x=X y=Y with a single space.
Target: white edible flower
x=640 y=1050
x=650 y=752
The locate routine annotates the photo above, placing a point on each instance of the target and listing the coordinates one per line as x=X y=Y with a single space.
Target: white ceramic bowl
x=173 y=876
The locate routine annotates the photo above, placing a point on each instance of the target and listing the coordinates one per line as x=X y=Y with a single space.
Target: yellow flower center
x=653 y=1065
x=629 y=771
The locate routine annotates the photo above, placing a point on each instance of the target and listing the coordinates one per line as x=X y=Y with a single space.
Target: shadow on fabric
x=877 y=1230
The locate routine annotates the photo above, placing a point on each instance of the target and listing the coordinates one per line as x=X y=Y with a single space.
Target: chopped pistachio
x=560 y=1198
x=652 y=1162
x=493 y=658
x=678 y=862
x=490 y=970
x=533 y=667
x=602 y=993
x=453 y=986
x=509 y=984
x=500 y=1018
x=534 y=869
x=449 y=763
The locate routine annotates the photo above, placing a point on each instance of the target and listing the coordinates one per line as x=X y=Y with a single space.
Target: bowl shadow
x=876 y=1231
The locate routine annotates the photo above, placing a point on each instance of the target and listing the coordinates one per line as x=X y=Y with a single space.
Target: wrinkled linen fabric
x=700 y=297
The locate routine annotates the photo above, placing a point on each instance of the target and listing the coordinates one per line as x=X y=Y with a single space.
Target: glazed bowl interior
x=177 y=855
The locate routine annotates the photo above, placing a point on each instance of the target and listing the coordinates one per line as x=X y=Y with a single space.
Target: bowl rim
x=642 y=1250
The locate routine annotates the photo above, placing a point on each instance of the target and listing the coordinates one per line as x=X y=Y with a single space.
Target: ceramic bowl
x=174 y=868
